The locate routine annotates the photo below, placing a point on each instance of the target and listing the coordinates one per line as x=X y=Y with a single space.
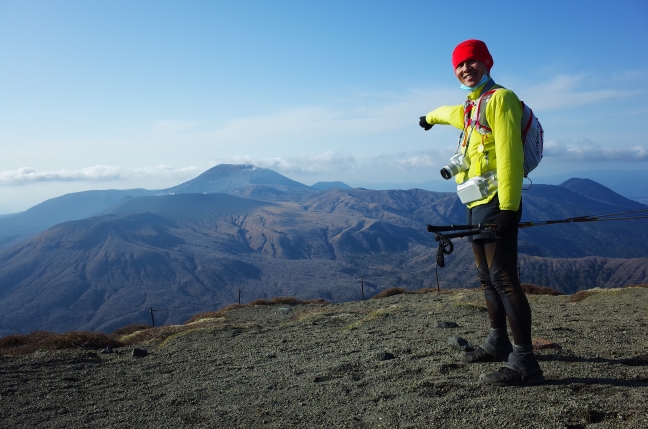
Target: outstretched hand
x=424 y=123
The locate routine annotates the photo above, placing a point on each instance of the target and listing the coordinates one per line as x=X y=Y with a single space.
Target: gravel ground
x=367 y=364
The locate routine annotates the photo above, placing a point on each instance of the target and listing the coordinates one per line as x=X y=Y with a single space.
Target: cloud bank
x=589 y=151
x=97 y=173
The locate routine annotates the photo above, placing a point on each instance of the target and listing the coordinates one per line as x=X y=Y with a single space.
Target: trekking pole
x=446 y=247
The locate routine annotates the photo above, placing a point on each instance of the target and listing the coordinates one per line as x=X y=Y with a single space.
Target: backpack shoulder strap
x=481 y=124
x=489 y=87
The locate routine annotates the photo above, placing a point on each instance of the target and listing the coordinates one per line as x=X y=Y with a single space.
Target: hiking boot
x=481 y=355
x=508 y=377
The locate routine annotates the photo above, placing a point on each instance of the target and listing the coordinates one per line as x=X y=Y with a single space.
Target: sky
x=125 y=94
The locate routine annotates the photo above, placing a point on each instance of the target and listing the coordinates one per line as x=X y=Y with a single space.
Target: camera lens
x=446 y=173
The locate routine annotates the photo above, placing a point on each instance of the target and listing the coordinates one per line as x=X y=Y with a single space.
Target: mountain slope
x=78 y=205
x=186 y=253
x=182 y=250
x=597 y=192
x=243 y=180
x=625 y=239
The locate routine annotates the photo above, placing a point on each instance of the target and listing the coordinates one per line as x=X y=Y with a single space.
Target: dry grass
x=153 y=335
x=579 y=296
x=127 y=330
x=642 y=285
x=309 y=315
x=206 y=315
x=286 y=300
x=401 y=291
x=24 y=344
x=582 y=294
x=381 y=313
x=531 y=289
x=282 y=300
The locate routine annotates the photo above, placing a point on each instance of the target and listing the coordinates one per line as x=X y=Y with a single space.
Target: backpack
x=532 y=133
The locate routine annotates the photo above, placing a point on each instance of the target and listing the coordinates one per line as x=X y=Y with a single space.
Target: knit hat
x=472 y=50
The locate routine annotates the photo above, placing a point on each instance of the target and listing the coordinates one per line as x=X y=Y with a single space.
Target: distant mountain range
x=100 y=260
x=629 y=183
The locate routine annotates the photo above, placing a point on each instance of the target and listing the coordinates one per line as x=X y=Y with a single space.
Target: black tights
x=496 y=261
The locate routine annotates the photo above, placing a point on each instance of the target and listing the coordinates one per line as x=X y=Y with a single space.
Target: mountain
x=243 y=180
x=625 y=239
x=629 y=183
x=322 y=186
x=228 y=178
x=595 y=191
x=185 y=253
x=80 y=205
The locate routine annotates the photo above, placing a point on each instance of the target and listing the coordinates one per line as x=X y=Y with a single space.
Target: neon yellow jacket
x=502 y=150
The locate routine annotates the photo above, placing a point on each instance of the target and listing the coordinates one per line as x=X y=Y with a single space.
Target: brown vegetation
x=281 y=300
x=643 y=285
x=286 y=300
x=531 y=289
x=127 y=330
x=399 y=290
x=23 y=344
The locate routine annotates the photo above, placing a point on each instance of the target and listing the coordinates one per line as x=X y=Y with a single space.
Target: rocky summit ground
x=378 y=363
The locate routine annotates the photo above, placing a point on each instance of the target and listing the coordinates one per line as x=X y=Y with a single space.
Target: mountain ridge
x=181 y=250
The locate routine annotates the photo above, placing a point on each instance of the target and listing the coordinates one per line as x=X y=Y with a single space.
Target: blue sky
x=125 y=94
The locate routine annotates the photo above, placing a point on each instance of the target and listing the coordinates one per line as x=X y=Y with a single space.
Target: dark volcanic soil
x=378 y=363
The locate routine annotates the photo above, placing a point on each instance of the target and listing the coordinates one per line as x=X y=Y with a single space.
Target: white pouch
x=477 y=188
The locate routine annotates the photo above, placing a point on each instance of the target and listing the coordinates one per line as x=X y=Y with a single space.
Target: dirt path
x=378 y=363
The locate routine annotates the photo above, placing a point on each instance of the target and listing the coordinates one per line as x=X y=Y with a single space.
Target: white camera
x=458 y=163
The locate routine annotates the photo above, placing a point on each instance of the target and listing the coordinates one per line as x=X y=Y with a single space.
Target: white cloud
x=586 y=150
x=565 y=91
x=323 y=163
x=337 y=162
x=97 y=173
x=378 y=114
x=358 y=115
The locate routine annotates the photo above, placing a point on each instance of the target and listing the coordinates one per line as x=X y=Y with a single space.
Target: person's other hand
x=424 y=123
x=507 y=223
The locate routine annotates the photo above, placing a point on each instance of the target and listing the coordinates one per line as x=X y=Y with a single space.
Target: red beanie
x=472 y=50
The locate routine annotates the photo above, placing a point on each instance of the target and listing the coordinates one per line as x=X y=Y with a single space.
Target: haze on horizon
x=150 y=94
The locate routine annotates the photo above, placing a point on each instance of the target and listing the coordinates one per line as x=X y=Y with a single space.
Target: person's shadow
x=635 y=361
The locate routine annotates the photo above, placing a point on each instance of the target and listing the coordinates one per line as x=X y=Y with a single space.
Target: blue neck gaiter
x=472 y=88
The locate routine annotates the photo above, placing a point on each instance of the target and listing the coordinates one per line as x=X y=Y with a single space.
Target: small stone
x=283 y=310
x=460 y=343
x=137 y=352
x=445 y=325
x=107 y=350
x=383 y=356
x=540 y=344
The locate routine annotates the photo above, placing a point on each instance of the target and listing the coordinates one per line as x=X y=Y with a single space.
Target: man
x=491 y=143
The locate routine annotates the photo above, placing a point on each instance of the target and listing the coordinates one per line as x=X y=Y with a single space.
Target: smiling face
x=470 y=72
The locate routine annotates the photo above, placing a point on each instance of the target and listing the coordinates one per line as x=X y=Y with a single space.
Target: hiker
x=488 y=168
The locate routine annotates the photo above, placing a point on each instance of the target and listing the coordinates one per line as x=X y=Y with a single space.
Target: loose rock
x=137 y=352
